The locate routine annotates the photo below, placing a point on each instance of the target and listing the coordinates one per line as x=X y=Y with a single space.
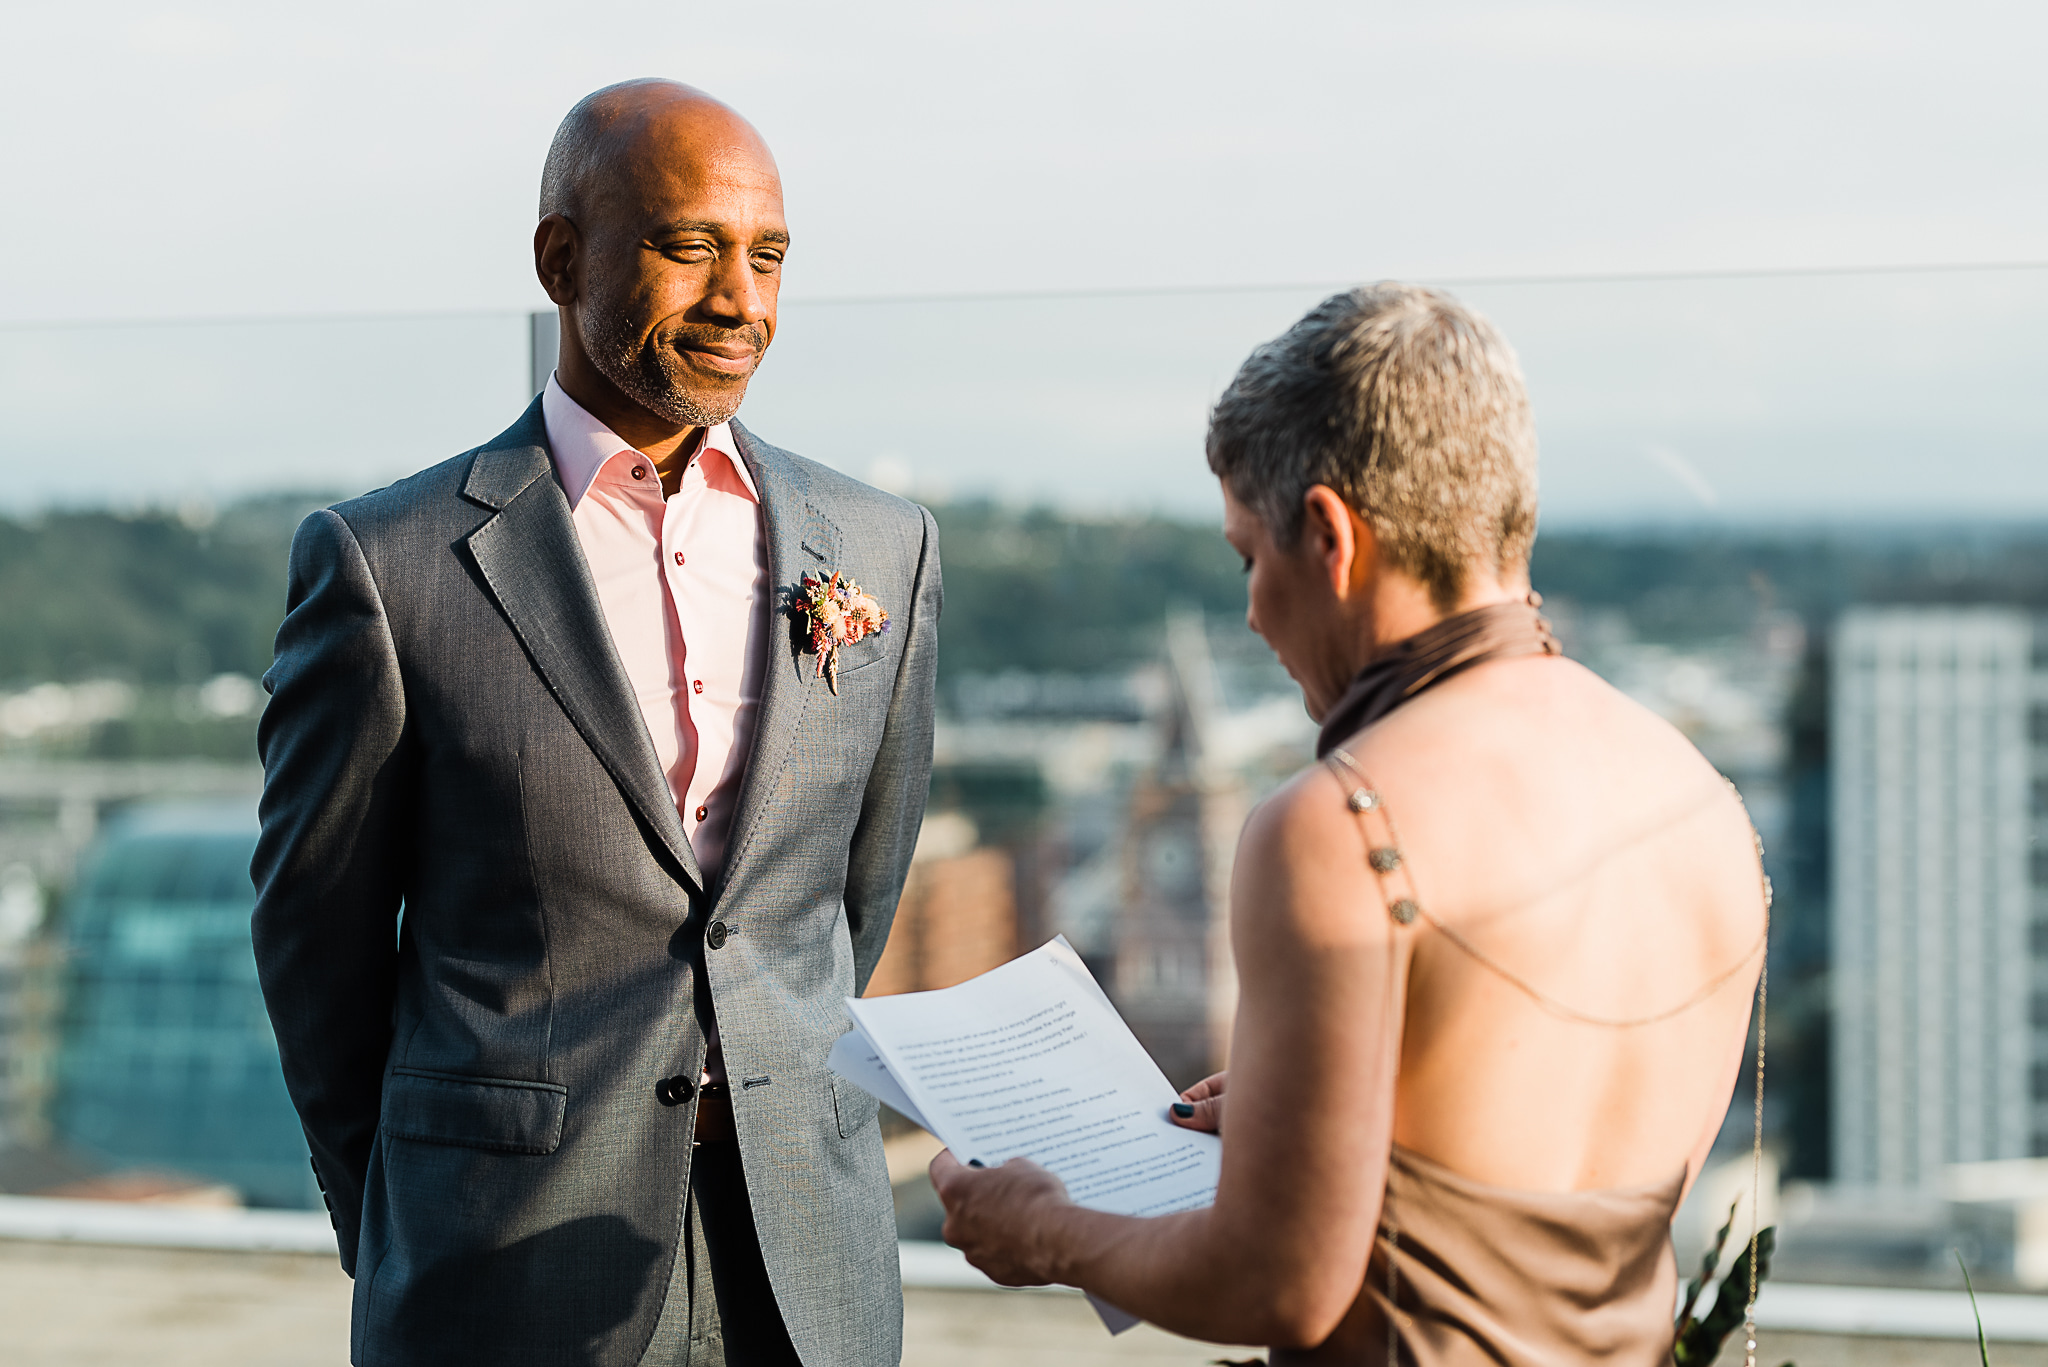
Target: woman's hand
x=1000 y=1217
x=1201 y=1106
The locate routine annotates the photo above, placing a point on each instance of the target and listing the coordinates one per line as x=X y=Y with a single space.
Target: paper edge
x=893 y=1097
x=1113 y=1319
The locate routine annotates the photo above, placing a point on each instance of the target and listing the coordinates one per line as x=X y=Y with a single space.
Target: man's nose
x=735 y=294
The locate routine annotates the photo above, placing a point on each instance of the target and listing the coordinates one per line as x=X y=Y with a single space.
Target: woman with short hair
x=1495 y=951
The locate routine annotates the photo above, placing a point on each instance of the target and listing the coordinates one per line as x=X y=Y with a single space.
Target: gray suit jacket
x=451 y=734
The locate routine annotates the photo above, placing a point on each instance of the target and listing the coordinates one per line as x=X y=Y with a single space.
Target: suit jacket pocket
x=855 y=1108
x=503 y=1114
x=863 y=653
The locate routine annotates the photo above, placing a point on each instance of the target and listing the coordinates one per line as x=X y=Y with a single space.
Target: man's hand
x=1201 y=1106
x=999 y=1217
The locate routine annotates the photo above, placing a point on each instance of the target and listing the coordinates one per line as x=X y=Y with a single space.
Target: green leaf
x=1983 y=1348
x=1700 y=1343
x=1708 y=1261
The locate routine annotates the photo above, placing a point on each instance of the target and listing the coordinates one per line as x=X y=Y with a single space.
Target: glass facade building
x=1935 y=1061
x=168 y=1059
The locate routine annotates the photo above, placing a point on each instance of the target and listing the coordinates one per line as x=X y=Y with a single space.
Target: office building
x=957 y=917
x=28 y=993
x=1934 y=762
x=168 y=1061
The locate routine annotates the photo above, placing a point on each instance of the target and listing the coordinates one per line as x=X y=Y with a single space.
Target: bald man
x=576 y=832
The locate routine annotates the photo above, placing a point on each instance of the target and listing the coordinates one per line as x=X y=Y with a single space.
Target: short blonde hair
x=1411 y=407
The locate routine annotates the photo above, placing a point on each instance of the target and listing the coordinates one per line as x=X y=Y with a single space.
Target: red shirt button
x=696 y=685
x=639 y=472
x=702 y=812
x=679 y=557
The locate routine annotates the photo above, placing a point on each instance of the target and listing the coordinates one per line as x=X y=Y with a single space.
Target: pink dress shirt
x=684 y=586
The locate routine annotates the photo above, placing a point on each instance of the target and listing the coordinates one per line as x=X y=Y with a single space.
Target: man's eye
x=1247 y=563
x=765 y=262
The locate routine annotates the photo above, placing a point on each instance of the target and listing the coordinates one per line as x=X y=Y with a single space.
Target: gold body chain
x=1389 y=868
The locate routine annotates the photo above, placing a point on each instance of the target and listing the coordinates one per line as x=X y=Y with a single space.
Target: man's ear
x=1341 y=539
x=555 y=245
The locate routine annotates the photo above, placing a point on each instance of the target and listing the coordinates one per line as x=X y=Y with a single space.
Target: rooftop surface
x=69 y=1304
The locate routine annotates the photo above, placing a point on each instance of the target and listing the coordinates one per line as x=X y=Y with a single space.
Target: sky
x=258 y=246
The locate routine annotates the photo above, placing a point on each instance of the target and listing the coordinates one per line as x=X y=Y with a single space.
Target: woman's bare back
x=1582 y=845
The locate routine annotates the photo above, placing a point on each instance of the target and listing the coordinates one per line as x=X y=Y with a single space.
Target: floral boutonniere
x=837 y=614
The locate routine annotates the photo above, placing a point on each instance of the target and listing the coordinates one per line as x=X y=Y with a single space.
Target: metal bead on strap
x=1383 y=859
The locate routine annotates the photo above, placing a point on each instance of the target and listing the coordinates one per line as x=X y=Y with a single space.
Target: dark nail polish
x=976 y=1163
x=1184 y=1109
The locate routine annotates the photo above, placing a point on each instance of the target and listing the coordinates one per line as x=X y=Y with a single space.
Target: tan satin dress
x=1488 y=1277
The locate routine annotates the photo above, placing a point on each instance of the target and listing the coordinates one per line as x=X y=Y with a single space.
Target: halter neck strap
x=1397 y=673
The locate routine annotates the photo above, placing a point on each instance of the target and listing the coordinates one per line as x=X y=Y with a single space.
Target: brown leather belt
x=714 y=1115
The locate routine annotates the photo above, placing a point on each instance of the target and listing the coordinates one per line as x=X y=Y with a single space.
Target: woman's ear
x=1340 y=539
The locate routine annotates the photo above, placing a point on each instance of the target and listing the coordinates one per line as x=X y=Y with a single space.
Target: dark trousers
x=734 y=1321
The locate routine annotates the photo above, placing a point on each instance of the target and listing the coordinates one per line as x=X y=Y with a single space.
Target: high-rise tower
x=1933 y=763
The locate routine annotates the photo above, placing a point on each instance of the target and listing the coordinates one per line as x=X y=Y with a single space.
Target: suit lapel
x=801 y=540
x=530 y=557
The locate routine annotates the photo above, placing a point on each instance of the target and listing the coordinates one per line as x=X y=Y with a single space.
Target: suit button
x=715 y=937
x=674 y=1091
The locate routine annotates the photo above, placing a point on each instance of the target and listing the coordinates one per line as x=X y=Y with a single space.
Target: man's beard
x=653 y=375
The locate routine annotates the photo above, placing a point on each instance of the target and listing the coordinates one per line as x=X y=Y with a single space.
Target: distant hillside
x=1702 y=585
x=147 y=598
x=1035 y=590
x=156 y=600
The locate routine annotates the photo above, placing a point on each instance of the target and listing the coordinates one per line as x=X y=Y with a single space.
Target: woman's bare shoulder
x=1300 y=870
x=1301 y=817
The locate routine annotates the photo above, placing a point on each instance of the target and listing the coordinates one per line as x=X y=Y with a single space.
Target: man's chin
x=718 y=406
x=703 y=391
x=700 y=405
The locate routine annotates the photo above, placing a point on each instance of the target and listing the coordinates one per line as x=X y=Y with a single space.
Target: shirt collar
x=582 y=446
